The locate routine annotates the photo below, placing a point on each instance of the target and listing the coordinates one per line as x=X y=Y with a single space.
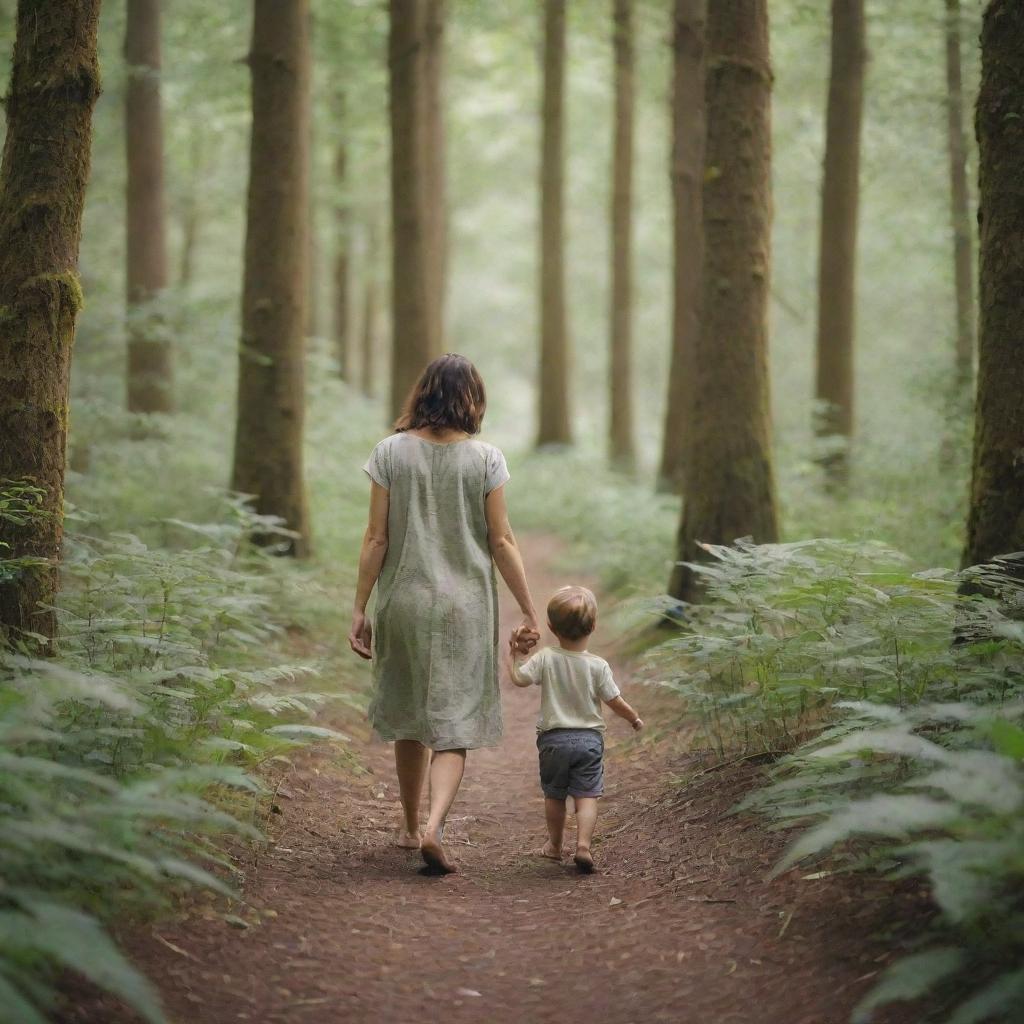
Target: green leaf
x=299 y=731
x=15 y=1008
x=996 y=1001
x=196 y=875
x=78 y=942
x=879 y=815
x=1008 y=739
x=909 y=978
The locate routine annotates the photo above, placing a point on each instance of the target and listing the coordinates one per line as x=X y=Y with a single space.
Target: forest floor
x=680 y=923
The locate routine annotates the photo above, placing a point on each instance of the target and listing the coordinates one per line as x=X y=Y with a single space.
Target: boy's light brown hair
x=572 y=613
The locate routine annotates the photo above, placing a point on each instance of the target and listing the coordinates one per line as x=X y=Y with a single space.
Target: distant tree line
x=717 y=442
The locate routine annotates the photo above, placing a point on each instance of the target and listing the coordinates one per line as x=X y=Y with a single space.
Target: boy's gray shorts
x=571 y=762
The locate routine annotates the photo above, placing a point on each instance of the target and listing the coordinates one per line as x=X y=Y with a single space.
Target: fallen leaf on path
x=614 y=901
x=176 y=949
x=467 y=992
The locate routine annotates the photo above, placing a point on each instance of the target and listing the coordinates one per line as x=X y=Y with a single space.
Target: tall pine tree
x=995 y=523
x=146 y=273
x=730 y=490
x=271 y=395
x=687 y=179
x=54 y=84
x=554 y=426
x=837 y=254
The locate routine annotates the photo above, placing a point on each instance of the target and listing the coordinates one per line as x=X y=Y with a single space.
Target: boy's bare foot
x=434 y=856
x=584 y=861
x=549 y=852
x=408 y=840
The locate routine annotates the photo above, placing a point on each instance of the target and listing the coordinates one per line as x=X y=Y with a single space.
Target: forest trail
x=679 y=924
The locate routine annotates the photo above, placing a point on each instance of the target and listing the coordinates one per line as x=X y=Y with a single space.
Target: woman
x=438 y=526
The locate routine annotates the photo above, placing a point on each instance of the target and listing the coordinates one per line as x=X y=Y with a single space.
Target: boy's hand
x=638 y=724
x=523 y=640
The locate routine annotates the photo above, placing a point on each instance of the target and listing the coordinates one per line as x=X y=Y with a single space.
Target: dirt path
x=679 y=924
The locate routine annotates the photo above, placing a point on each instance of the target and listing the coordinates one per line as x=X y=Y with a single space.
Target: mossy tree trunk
x=555 y=420
x=687 y=173
x=271 y=400
x=963 y=261
x=150 y=381
x=837 y=255
x=730 y=491
x=622 y=449
x=995 y=523
x=43 y=174
x=416 y=184
x=342 y=272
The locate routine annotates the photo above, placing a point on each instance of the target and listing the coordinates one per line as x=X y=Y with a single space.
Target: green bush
x=894 y=700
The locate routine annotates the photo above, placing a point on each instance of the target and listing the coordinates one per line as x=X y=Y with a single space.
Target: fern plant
x=896 y=700
x=117 y=757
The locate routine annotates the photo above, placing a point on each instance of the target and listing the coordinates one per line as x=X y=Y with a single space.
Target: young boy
x=573 y=683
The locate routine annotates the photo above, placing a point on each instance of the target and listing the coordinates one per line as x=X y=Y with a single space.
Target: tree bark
x=437 y=217
x=622 y=449
x=995 y=523
x=554 y=427
x=730 y=490
x=342 y=248
x=371 y=312
x=960 y=200
x=687 y=174
x=416 y=338
x=43 y=174
x=837 y=258
x=150 y=382
x=271 y=399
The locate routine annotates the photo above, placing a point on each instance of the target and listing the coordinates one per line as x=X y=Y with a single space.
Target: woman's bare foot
x=408 y=840
x=584 y=861
x=434 y=855
x=548 y=851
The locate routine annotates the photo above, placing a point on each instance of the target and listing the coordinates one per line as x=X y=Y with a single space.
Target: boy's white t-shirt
x=572 y=686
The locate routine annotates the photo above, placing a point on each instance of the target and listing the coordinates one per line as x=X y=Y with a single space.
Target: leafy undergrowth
x=893 y=701
x=129 y=758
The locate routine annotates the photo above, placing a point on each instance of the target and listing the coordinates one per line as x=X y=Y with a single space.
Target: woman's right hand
x=360 y=635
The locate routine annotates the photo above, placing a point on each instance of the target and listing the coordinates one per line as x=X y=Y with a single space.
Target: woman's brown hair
x=449 y=395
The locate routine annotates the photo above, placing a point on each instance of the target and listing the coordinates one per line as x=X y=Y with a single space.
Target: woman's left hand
x=361 y=635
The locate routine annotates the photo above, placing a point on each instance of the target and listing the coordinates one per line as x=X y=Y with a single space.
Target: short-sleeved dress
x=435 y=626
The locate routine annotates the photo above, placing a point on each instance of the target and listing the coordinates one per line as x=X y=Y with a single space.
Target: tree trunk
x=554 y=427
x=730 y=491
x=837 y=257
x=687 y=173
x=414 y=186
x=271 y=399
x=621 y=446
x=960 y=200
x=995 y=523
x=43 y=174
x=437 y=218
x=342 y=246
x=371 y=312
x=150 y=384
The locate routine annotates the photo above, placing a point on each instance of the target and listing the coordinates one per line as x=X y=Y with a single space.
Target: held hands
x=360 y=635
x=524 y=638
